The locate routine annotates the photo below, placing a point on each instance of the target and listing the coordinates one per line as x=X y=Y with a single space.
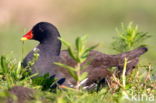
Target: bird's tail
x=132 y=54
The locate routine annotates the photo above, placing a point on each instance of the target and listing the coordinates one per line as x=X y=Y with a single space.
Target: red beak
x=27 y=36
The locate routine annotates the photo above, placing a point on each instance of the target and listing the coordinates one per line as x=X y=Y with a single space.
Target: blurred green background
x=96 y=18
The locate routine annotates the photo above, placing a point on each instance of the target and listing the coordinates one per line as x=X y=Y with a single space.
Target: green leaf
x=70 y=69
x=86 y=52
x=4 y=65
x=83 y=76
x=71 y=53
x=80 y=44
x=77 y=43
x=65 y=66
x=18 y=70
x=65 y=42
x=90 y=48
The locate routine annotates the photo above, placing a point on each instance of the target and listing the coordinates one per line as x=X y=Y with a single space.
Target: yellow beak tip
x=23 y=39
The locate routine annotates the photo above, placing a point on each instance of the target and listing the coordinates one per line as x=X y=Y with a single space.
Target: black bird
x=49 y=50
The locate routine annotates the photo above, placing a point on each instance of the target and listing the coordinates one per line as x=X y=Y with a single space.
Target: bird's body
x=96 y=65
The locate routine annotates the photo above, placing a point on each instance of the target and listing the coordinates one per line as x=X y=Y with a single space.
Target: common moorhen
x=49 y=50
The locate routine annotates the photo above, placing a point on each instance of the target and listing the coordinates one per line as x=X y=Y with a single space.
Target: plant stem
x=22 y=49
x=124 y=73
x=78 y=67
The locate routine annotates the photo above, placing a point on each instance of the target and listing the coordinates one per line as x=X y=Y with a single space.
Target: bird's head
x=41 y=31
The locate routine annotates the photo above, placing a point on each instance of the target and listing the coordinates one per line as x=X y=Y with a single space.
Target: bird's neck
x=50 y=47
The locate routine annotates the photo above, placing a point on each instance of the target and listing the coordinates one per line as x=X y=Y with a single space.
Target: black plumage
x=49 y=52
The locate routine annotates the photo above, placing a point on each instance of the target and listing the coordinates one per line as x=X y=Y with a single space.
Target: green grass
x=140 y=82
